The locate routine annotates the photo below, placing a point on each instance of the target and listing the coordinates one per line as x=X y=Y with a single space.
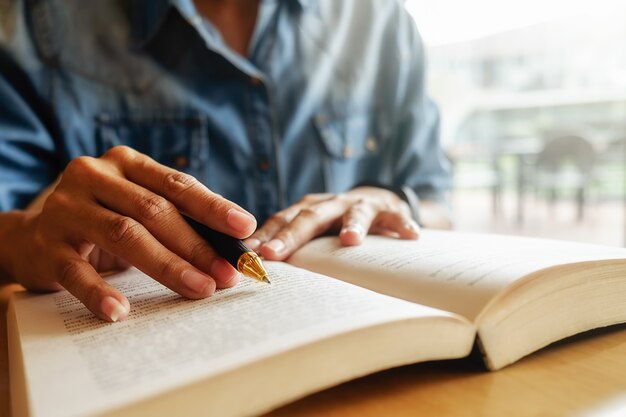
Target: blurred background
x=533 y=102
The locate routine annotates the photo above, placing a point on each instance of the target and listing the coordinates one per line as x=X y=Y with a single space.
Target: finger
x=103 y=261
x=165 y=223
x=309 y=223
x=78 y=277
x=187 y=193
x=356 y=223
x=125 y=237
x=281 y=219
x=272 y=226
x=396 y=223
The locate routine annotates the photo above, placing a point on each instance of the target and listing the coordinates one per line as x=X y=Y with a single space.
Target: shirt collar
x=147 y=17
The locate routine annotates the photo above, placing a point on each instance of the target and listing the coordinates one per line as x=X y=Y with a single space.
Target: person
x=308 y=116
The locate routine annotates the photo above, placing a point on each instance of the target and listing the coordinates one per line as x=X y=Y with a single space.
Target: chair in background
x=566 y=163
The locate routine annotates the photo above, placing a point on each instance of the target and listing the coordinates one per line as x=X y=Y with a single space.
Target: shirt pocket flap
x=173 y=139
x=353 y=136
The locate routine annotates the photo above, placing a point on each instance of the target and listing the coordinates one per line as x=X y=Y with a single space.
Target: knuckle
x=80 y=167
x=40 y=241
x=153 y=206
x=310 y=199
x=358 y=211
x=176 y=183
x=217 y=204
x=166 y=269
x=309 y=214
x=305 y=198
x=120 y=153
x=58 y=200
x=376 y=204
x=280 y=220
x=198 y=253
x=124 y=230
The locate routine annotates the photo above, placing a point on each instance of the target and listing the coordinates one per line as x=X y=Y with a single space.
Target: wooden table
x=583 y=376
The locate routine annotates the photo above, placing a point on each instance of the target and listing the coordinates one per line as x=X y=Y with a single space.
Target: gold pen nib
x=249 y=264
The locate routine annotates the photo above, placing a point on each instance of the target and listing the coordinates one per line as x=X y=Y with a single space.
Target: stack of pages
x=331 y=314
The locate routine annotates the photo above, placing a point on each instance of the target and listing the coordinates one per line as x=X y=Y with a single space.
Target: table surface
x=583 y=376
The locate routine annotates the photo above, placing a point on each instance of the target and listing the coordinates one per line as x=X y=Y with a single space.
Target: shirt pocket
x=175 y=139
x=353 y=146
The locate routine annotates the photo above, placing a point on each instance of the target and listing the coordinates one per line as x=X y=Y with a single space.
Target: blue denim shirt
x=330 y=95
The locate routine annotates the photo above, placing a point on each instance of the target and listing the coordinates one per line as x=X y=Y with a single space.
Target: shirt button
x=181 y=161
x=264 y=164
x=371 y=144
x=255 y=81
x=347 y=152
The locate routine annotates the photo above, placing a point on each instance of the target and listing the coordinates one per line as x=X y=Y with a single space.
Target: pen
x=242 y=258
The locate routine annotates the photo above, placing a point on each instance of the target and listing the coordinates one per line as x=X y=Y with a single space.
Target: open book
x=252 y=348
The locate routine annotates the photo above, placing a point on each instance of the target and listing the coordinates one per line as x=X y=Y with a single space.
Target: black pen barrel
x=226 y=246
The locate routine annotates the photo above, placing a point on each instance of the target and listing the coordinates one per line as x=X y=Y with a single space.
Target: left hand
x=353 y=214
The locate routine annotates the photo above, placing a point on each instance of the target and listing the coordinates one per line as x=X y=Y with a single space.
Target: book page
x=76 y=364
x=453 y=271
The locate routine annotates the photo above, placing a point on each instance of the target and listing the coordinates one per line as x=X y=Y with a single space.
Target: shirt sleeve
x=419 y=159
x=27 y=148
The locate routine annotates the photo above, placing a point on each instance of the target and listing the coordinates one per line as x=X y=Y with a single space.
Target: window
x=510 y=77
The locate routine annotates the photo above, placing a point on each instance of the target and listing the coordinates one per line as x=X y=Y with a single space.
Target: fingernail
x=356 y=228
x=223 y=271
x=276 y=245
x=240 y=221
x=198 y=283
x=253 y=243
x=113 y=309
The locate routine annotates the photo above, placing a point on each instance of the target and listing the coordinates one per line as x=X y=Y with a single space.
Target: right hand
x=124 y=209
